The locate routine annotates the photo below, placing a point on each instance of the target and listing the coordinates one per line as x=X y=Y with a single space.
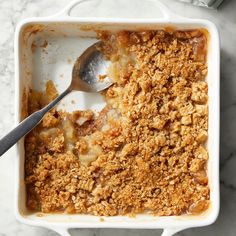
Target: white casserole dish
x=67 y=37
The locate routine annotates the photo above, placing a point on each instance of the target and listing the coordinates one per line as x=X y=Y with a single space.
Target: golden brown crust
x=145 y=151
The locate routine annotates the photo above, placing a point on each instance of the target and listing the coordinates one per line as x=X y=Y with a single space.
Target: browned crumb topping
x=145 y=151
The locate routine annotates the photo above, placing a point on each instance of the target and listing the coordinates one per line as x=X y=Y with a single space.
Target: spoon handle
x=27 y=124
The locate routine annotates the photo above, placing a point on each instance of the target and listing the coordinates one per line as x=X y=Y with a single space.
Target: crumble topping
x=145 y=151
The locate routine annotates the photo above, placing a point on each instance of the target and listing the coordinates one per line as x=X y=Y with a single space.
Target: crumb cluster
x=145 y=151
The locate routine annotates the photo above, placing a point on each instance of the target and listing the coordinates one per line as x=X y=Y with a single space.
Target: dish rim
x=212 y=216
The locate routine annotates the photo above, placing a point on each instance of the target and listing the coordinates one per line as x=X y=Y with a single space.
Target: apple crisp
x=145 y=151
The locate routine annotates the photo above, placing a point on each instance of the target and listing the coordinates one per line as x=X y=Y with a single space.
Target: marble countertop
x=11 y=12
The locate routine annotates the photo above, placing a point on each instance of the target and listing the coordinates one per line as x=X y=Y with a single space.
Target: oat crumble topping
x=145 y=151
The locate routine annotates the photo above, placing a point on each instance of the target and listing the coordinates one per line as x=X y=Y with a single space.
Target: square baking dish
x=66 y=37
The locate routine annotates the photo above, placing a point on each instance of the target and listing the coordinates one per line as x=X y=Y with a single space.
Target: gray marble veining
x=12 y=11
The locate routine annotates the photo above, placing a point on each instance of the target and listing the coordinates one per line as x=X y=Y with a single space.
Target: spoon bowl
x=90 y=70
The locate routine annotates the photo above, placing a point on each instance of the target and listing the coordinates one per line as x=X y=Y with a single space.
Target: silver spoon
x=85 y=77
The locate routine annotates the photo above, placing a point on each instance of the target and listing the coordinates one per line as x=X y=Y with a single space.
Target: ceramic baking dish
x=66 y=37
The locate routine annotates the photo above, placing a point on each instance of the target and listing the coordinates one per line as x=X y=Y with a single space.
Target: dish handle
x=166 y=231
x=164 y=10
x=171 y=231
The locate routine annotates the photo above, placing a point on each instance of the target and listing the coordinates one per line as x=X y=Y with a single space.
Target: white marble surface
x=12 y=11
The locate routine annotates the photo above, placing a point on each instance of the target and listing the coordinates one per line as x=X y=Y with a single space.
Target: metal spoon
x=85 y=77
